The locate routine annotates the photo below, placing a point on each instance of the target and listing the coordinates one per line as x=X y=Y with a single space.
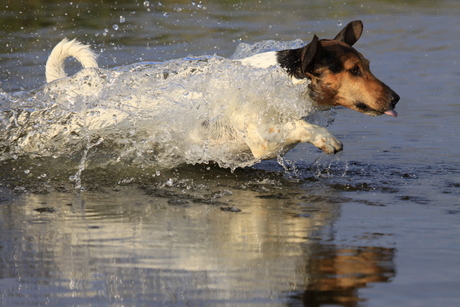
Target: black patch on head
x=334 y=56
x=329 y=57
x=336 y=67
x=291 y=60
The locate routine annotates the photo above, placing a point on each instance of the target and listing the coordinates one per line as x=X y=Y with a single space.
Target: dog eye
x=355 y=71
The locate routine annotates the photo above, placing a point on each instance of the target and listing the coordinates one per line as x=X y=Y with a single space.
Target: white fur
x=269 y=140
x=266 y=60
x=63 y=50
x=261 y=60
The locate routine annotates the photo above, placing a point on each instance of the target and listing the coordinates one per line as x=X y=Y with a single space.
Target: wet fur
x=337 y=75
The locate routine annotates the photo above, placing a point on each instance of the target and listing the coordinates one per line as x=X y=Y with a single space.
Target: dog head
x=339 y=74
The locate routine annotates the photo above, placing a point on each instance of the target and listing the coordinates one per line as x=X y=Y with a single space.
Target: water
x=92 y=223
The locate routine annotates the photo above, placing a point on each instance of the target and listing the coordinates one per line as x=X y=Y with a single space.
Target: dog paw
x=319 y=136
x=329 y=144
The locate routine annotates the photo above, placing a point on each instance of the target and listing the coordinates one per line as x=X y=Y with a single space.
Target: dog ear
x=351 y=33
x=309 y=53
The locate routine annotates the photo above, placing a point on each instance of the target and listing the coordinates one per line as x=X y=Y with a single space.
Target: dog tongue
x=392 y=113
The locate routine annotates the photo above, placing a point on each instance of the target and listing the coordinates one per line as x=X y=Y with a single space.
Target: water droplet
x=339 y=24
x=115 y=27
x=146 y=3
x=165 y=14
x=26 y=171
x=122 y=19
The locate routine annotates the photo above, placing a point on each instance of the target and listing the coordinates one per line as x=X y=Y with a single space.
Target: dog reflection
x=336 y=274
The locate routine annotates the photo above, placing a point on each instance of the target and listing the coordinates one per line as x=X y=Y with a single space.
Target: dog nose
x=394 y=98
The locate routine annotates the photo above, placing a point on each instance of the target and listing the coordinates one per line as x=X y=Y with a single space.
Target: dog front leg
x=267 y=142
x=301 y=131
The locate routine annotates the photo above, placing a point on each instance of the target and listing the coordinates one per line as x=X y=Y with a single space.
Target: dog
x=335 y=73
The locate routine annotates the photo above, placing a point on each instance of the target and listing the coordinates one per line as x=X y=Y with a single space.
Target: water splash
x=289 y=166
x=151 y=115
x=328 y=168
x=81 y=167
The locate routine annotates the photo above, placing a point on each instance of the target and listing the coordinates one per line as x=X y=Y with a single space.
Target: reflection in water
x=173 y=243
x=338 y=273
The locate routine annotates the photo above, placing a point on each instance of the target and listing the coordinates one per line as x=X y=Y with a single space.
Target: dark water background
x=377 y=225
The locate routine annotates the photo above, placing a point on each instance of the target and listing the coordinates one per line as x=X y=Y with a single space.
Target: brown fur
x=339 y=74
x=354 y=85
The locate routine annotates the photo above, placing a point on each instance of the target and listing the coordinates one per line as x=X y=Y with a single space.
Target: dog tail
x=63 y=50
